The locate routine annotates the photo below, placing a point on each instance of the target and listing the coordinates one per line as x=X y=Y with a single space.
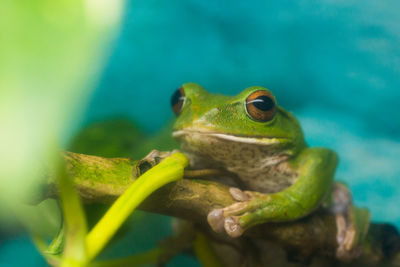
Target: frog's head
x=251 y=117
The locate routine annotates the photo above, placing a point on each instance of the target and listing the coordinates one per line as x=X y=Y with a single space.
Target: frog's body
x=216 y=132
x=259 y=166
x=261 y=147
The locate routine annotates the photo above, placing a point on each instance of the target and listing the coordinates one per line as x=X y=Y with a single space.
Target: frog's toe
x=239 y=216
x=228 y=218
x=345 y=238
x=238 y=194
x=351 y=232
x=233 y=227
x=216 y=220
x=219 y=223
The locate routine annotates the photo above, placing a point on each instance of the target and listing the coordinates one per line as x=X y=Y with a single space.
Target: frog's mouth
x=230 y=137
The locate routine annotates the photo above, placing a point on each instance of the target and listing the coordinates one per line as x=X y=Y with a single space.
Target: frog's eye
x=261 y=106
x=177 y=100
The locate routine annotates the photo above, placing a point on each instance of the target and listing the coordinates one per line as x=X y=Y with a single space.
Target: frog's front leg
x=315 y=169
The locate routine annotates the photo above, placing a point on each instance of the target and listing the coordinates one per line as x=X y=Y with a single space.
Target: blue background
x=334 y=64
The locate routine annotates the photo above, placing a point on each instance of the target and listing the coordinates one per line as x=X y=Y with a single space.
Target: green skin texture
x=315 y=166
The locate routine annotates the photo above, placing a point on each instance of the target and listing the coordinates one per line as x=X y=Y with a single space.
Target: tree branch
x=102 y=180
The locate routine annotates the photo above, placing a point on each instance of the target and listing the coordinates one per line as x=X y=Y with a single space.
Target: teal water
x=335 y=64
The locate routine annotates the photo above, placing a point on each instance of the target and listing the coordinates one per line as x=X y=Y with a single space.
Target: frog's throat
x=234 y=138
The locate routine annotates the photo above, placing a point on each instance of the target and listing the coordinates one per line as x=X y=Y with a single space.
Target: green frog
x=259 y=150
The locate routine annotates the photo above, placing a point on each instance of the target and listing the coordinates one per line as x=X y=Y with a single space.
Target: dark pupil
x=176 y=97
x=263 y=103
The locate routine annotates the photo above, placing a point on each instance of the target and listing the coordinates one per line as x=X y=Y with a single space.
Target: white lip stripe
x=240 y=139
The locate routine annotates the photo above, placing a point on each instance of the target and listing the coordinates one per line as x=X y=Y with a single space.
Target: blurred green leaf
x=51 y=54
x=121 y=137
x=110 y=138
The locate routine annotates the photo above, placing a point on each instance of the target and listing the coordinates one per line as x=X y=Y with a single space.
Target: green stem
x=74 y=221
x=169 y=170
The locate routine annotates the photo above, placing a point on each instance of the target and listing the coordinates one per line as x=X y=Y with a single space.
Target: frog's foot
x=352 y=224
x=151 y=160
x=236 y=218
